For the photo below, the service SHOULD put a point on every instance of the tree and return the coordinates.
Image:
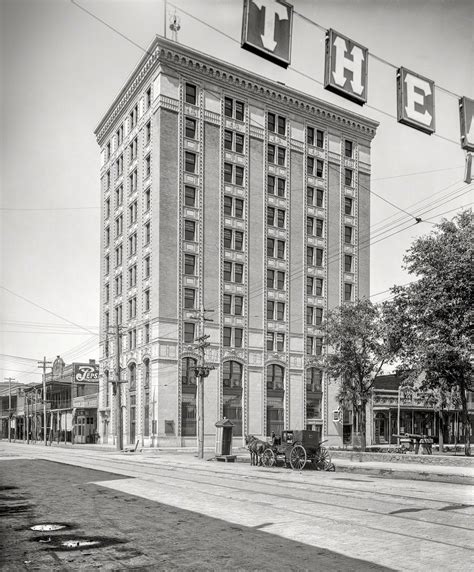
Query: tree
(430, 319)
(357, 351)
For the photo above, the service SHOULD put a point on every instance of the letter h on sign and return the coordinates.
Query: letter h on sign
(266, 29)
(346, 67)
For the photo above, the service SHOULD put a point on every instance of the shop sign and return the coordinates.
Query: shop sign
(346, 67)
(86, 373)
(466, 115)
(415, 100)
(266, 29)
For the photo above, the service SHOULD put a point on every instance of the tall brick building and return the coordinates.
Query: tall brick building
(226, 191)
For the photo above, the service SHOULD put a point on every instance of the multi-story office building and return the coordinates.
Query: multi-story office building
(225, 191)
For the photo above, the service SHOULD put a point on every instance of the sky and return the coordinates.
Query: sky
(61, 69)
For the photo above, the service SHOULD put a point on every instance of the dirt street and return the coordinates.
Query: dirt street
(108, 529)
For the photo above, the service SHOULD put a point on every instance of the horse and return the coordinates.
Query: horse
(256, 448)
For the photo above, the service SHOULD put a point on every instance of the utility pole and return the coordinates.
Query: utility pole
(116, 388)
(9, 379)
(202, 371)
(44, 364)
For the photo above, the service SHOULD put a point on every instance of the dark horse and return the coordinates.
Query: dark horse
(256, 447)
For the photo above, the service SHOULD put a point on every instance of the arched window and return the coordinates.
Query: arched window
(132, 377)
(232, 374)
(314, 377)
(275, 376)
(188, 376)
(188, 397)
(232, 394)
(275, 399)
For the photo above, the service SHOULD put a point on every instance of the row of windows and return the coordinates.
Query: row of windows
(132, 150)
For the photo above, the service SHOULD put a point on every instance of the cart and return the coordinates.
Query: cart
(298, 449)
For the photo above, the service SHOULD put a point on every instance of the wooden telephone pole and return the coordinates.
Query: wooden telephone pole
(44, 364)
(9, 379)
(201, 371)
(116, 387)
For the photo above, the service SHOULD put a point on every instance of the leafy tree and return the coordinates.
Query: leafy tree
(357, 351)
(430, 319)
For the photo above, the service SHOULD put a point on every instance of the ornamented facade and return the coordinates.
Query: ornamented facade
(225, 191)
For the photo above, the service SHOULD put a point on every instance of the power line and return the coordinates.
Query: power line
(45, 309)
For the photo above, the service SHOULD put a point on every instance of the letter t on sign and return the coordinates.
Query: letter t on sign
(266, 29)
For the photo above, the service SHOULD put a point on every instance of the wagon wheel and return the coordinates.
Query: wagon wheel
(298, 457)
(268, 458)
(323, 460)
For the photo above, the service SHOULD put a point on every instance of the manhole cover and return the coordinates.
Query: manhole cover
(47, 527)
(79, 543)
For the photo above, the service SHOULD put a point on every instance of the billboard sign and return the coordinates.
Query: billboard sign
(86, 373)
(415, 100)
(466, 115)
(346, 67)
(266, 29)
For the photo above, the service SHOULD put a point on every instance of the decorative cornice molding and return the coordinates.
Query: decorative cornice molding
(184, 60)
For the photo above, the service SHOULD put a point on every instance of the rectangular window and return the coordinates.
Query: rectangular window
(238, 305)
(107, 236)
(348, 234)
(233, 207)
(118, 285)
(106, 293)
(147, 263)
(276, 186)
(347, 263)
(281, 218)
(233, 141)
(189, 230)
(281, 155)
(238, 240)
(132, 307)
(147, 333)
(147, 166)
(233, 272)
(314, 286)
(318, 286)
(119, 225)
(280, 311)
(276, 124)
(133, 181)
(319, 227)
(189, 332)
(146, 300)
(191, 94)
(227, 304)
(147, 200)
(320, 139)
(118, 255)
(148, 133)
(347, 292)
(348, 148)
(107, 208)
(314, 346)
(119, 166)
(189, 196)
(132, 244)
(148, 98)
(190, 128)
(310, 135)
(238, 273)
(132, 276)
(133, 212)
(227, 337)
(347, 205)
(133, 116)
(238, 336)
(189, 264)
(239, 175)
(119, 196)
(189, 162)
(233, 174)
(147, 233)
(348, 177)
(119, 134)
(234, 109)
(133, 149)
(118, 314)
(314, 256)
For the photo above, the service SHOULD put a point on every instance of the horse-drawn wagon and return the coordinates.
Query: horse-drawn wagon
(296, 449)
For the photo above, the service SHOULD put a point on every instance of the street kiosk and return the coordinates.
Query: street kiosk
(224, 441)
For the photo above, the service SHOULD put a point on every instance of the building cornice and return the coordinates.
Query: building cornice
(169, 54)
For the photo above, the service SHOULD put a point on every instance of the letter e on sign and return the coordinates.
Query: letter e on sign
(346, 67)
(466, 115)
(266, 29)
(415, 101)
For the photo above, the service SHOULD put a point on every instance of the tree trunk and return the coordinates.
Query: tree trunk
(363, 425)
(466, 424)
(441, 431)
(355, 416)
